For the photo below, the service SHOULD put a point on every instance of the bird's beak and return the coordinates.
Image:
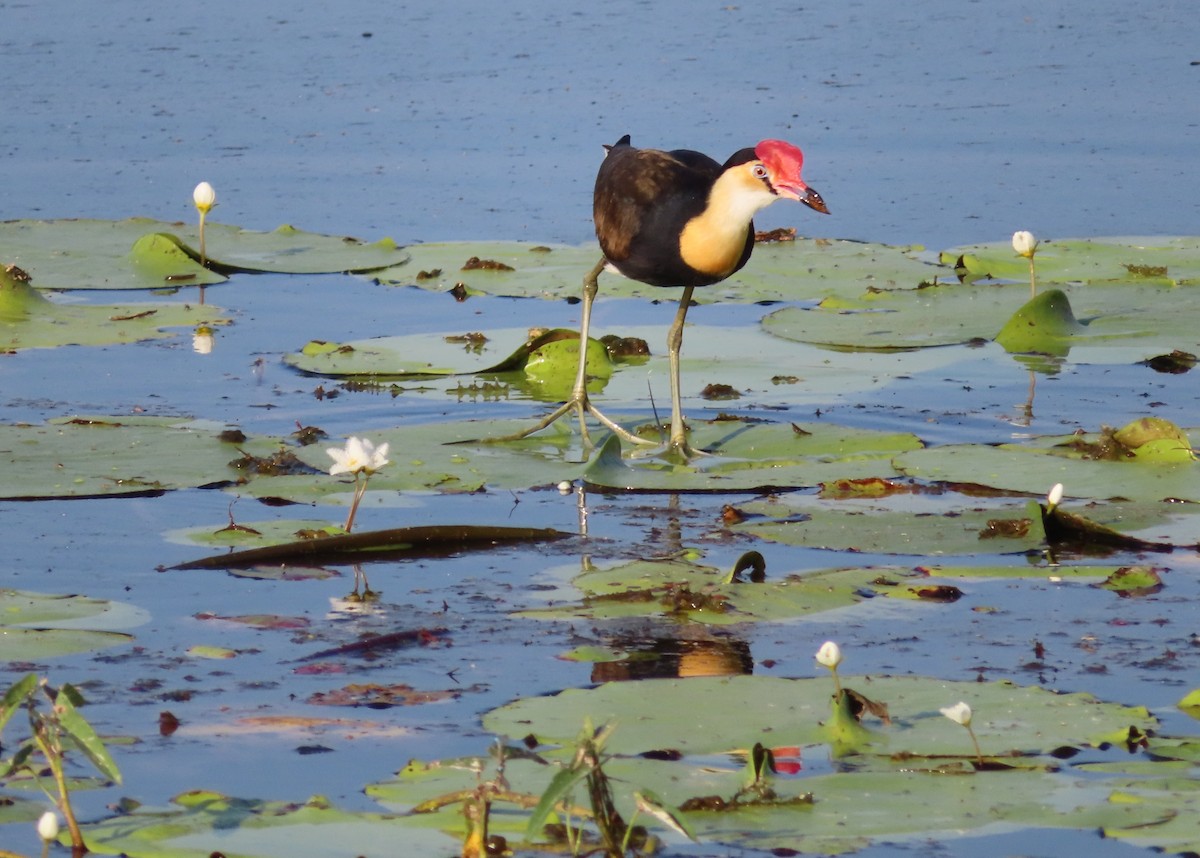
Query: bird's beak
(813, 200)
(802, 193)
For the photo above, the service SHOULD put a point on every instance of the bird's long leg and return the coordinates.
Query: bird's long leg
(579, 401)
(678, 441)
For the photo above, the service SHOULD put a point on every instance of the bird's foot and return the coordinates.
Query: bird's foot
(677, 451)
(582, 406)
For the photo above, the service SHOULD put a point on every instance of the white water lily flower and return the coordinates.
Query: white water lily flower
(1055, 497)
(204, 197)
(358, 456)
(959, 713)
(47, 826)
(829, 655)
(1024, 243)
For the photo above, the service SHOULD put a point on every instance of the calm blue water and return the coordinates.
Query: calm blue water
(936, 123)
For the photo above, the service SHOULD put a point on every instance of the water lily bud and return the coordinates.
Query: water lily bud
(565, 487)
(204, 197)
(1055, 497)
(47, 826)
(1024, 243)
(829, 655)
(959, 713)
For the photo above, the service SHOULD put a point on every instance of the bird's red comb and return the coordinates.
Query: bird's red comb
(780, 157)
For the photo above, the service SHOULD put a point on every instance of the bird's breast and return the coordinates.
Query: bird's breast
(713, 247)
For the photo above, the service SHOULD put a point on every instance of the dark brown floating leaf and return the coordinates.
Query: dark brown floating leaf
(1010, 528)
(682, 599)
(1145, 270)
(232, 436)
(783, 233)
(281, 463)
(376, 643)
(380, 696)
(132, 316)
(939, 593)
(370, 545)
(868, 487)
(459, 291)
(432, 274)
(732, 515)
(308, 435)
(625, 347)
(861, 705)
(1067, 530)
(470, 337)
(720, 392)
(477, 264)
(167, 723)
(1176, 363)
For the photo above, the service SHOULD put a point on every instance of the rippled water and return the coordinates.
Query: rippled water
(935, 123)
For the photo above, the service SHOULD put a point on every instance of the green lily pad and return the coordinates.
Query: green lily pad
(30, 320)
(754, 456)
(783, 271)
(36, 626)
(1031, 467)
(828, 814)
(936, 527)
(99, 456)
(546, 364)
(140, 253)
(697, 593)
(200, 824)
(1044, 325)
(1133, 322)
(707, 715)
(1172, 260)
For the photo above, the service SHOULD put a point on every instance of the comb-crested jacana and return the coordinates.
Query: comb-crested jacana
(678, 219)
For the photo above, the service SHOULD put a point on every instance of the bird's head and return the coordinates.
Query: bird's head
(778, 165)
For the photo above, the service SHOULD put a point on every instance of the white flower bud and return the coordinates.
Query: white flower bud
(204, 197)
(1055, 497)
(47, 826)
(1024, 243)
(829, 655)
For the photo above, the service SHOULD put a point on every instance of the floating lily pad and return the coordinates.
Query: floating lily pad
(1171, 260)
(747, 455)
(30, 320)
(783, 271)
(544, 366)
(828, 814)
(698, 593)
(707, 715)
(1133, 322)
(36, 626)
(1044, 325)
(140, 253)
(917, 525)
(98, 456)
(1031, 467)
(202, 823)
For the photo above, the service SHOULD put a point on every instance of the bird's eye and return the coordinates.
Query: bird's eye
(760, 172)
